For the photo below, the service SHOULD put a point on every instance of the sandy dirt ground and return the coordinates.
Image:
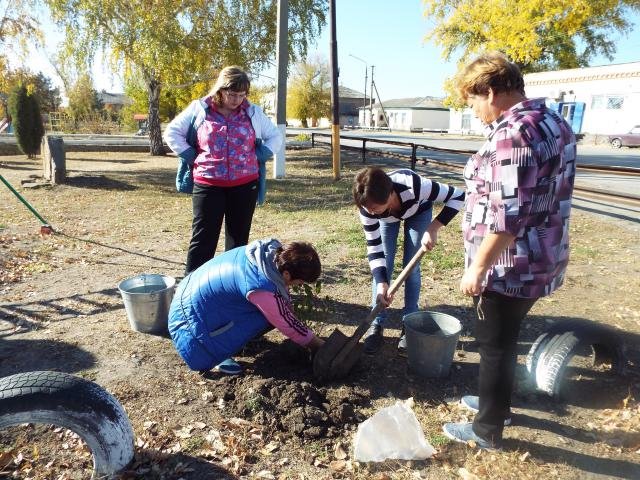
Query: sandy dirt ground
(118, 216)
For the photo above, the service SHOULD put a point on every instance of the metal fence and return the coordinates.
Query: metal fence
(363, 149)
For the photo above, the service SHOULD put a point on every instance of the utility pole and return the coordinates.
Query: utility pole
(335, 127)
(371, 98)
(384, 114)
(282, 58)
(364, 103)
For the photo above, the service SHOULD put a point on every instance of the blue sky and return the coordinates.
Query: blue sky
(389, 35)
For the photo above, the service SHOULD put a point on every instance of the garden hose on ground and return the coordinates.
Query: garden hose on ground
(45, 228)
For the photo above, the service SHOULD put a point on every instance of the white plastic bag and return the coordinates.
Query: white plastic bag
(393, 432)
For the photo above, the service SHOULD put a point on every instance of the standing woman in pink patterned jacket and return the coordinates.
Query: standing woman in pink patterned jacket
(515, 229)
(219, 140)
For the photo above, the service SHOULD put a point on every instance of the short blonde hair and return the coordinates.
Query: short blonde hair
(231, 78)
(493, 71)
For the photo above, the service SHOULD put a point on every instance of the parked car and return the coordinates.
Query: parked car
(631, 139)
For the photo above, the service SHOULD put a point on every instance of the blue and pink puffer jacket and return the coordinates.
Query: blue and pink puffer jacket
(182, 137)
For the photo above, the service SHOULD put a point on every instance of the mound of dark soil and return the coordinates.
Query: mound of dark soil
(275, 391)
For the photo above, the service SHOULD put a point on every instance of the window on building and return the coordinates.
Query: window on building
(466, 121)
(615, 103)
(567, 112)
(403, 118)
(597, 102)
(607, 102)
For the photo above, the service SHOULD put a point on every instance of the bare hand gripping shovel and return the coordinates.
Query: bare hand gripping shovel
(340, 353)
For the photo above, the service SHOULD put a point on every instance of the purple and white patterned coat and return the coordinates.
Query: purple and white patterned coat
(521, 182)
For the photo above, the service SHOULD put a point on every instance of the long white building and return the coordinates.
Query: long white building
(414, 114)
(595, 100)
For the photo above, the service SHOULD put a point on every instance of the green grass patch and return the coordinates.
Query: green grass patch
(193, 444)
(438, 439)
(256, 404)
(445, 258)
(583, 252)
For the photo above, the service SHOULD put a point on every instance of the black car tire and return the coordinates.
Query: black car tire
(74, 403)
(551, 352)
(536, 347)
(616, 142)
(552, 363)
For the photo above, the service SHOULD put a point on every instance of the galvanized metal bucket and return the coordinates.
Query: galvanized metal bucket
(147, 298)
(431, 342)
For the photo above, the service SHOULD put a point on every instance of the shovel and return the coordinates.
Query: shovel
(340, 353)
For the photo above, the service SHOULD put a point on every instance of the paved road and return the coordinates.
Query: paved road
(629, 212)
(587, 154)
(79, 139)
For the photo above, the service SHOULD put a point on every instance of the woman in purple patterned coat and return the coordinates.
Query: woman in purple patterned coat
(515, 228)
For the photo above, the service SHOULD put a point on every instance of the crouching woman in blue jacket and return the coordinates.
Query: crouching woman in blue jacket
(238, 296)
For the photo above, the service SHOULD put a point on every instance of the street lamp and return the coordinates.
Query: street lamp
(364, 106)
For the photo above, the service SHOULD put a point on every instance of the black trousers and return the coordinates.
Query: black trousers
(496, 332)
(210, 206)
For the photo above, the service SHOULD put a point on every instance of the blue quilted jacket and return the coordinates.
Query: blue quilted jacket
(210, 318)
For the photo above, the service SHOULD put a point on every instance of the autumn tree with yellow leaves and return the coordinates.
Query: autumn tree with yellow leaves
(18, 23)
(309, 92)
(176, 44)
(536, 34)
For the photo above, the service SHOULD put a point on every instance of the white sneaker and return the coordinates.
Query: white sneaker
(463, 433)
(472, 402)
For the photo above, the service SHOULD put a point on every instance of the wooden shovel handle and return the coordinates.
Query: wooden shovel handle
(406, 271)
(364, 324)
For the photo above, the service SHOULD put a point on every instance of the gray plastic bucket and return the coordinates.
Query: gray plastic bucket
(147, 298)
(431, 342)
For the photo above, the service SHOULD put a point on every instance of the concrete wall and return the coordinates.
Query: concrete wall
(464, 122)
(407, 119)
(430, 120)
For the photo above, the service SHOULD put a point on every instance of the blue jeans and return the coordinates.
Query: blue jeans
(414, 228)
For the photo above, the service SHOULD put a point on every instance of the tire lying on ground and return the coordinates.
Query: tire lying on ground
(74, 403)
(552, 351)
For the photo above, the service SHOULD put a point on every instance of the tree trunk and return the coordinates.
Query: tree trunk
(155, 134)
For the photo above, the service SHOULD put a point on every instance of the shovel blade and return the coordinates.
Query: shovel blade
(341, 369)
(327, 353)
